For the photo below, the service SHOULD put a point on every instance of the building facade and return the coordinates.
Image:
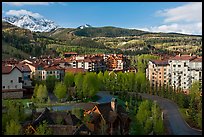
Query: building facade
(157, 72)
(11, 78)
(179, 71)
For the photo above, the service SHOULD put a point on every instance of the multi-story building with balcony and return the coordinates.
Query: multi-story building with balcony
(179, 71)
(157, 72)
(184, 69)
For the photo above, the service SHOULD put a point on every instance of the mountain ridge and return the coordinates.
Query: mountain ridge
(31, 23)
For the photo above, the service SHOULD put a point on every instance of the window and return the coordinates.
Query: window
(179, 65)
(8, 87)
(15, 86)
(164, 81)
(3, 86)
(174, 65)
(159, 76)
(50, 72)
(185, 64)
(184, 74)
(20, 80)
(11, 81)
(164, 69)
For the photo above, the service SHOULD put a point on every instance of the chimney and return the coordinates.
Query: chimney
(114, 104)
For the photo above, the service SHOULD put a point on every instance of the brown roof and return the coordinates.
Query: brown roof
(80, 130)
(75, 70)
(94, 117)
(160, 62)
(112, 116)
(183, 57)
(85, 106)
(68, 118)
(47, 68)
(104, 109)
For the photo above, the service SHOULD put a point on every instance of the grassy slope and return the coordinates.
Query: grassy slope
(11, 52)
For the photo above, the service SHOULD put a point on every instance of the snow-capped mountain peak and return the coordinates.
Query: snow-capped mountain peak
(85, 26)
(32, 23)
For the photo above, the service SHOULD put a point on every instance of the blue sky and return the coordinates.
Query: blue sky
(183, 17)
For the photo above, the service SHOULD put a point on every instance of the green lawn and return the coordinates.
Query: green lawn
(24, 101)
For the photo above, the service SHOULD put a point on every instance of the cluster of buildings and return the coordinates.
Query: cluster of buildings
(179, 71)
(102, 119)
(18, 75)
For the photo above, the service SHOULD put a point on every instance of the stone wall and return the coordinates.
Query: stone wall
(18, 94)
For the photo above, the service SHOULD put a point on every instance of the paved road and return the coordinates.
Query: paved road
(105, 97)
(177, 124)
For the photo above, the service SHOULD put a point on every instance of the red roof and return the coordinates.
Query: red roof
(8, 69)
(183, 57)
(198, 59)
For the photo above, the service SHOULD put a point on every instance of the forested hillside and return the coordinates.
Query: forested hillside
(92, 40)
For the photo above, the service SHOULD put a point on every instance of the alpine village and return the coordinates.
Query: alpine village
(98, 80)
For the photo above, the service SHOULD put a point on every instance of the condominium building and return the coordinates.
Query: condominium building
(183, 69)
(179, 71)
(157, 72)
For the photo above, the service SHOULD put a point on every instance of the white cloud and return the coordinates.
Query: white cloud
(191, 12)
(27, 3)
(23, 12)
(186, 19)
(193, 28)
